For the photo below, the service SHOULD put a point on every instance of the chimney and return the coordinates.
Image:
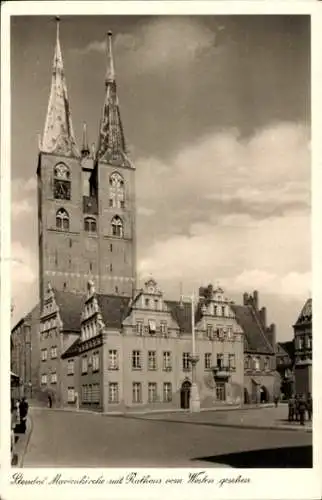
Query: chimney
(255, 299)
(245, 299)
(262, 315)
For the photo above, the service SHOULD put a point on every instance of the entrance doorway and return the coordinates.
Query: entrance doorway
(264, 394)
(185, 395)
(246, 396)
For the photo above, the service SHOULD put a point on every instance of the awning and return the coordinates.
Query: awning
(15, 379)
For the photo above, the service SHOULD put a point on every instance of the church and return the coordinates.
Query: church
(97, 339)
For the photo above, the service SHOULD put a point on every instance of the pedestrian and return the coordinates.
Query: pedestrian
(291, 408)
(23, 410)
(302, 408)
(276, 399)
(13, 427)
(50, 401)
(309, 406)
(297, 413)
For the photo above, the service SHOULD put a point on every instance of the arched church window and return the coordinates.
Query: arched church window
(62, 220)
(117, 226)
(117, 191)
(90, 225)
(62, 183)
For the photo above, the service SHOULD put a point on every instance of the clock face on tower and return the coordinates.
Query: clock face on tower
(61, 189)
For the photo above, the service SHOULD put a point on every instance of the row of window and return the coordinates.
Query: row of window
(304, 342)
(153, 395)
(53, 353)
(257, 363)
(93, 361)
(90, 225)
(52, 379)
(228, 360)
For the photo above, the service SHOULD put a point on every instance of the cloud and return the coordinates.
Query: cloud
(159, 43)
(23, 197)
(145, 211)
(232, 209)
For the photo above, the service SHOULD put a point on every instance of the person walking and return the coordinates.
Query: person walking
(291, 408)
(296, 411)
(23, 410)
(302, 409)
(309, 406)
(276, 400)
(50, 401)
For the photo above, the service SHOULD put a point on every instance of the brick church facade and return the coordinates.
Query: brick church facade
(98, 340)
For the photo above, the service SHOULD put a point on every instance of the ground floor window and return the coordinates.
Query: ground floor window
(71, 394)
(167, 392)
(137, 392)
(44, 379)
(152, 392)
(113, 392)
(96, 393)
(220, 391)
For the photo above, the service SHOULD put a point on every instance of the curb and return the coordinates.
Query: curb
(236, 426)
(22, 454)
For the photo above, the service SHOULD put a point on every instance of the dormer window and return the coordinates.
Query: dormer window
(152, 326)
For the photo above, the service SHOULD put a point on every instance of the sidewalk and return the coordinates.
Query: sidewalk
(253, 418)
(22, 441)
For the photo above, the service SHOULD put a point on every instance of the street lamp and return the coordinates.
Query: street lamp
(194, 358)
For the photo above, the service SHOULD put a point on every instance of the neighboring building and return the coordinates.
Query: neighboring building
(261, 380)
(135, 353)
(59, 329)
(303, 350)
(25, 354)
(285, 367)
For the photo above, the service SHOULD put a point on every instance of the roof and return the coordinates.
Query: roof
(306, 313)
(72, 350)
(255, 338)
(114, 309)
(70, 309)
(181, 313)
(285, 348)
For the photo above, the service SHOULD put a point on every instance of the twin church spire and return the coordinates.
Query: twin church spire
(58, 137)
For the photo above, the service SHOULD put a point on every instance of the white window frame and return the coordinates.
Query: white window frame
(53, 378)
(53, 352)
(113, 359)
(186, 361)
(208, 356)
(44, 354)
(152, 360)
(139, 327)
(152, 392)
(84, 364)
(113, 392)
(152, 326)
(167, 392)
(70, 367)
(71, 394)
(136, 392)
(44, 379)
(167, 361)
(136, 360)
(95, 362)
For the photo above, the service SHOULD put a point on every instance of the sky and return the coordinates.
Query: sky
(216, 114)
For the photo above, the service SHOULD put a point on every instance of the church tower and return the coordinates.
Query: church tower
(86, 199)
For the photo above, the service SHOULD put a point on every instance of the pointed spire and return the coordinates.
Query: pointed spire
(85, 149)
(111, 142)
(58, 135)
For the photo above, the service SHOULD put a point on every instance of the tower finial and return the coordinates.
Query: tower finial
(110, 72)
(85, 149)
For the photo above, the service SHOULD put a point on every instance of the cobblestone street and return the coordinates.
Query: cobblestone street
(70, 439)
